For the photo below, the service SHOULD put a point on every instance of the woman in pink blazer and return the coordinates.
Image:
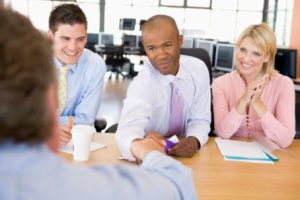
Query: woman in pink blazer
(255, 100)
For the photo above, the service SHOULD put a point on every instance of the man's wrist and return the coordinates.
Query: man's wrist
(196, 140)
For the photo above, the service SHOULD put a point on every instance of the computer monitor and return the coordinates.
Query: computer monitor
(131, 41)
(127, 24)
(224, 58)
(142, 22)
(92, 38)
(286, 62)
(208, 45)
(188, 43)
(106, 39)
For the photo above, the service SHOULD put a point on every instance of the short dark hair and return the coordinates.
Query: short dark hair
(66, 14)
(158, 19)
(26, 73)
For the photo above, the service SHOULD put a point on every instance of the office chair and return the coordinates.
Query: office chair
(115, 60)
(100, 124)
(112, 129)
(195, 52)
(202, 54)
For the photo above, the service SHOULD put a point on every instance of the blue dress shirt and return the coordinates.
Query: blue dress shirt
(85, 86)
(34, 172)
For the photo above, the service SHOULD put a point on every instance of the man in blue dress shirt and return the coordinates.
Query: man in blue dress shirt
(68, 30)
(29, 136)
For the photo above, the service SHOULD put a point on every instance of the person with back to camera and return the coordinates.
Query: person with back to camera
(29, 136)
(170, 95)
(255, 100)
(81, 69)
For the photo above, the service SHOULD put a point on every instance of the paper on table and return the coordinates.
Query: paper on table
(69, 147)
(243, 151)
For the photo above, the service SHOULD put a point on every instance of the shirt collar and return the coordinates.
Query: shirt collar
(167, 79)
(59, 64)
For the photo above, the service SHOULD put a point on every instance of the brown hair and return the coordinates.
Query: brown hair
(66, 14)
(265, 39)
(26, 73)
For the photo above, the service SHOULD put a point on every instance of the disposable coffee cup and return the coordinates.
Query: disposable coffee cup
(82, 138)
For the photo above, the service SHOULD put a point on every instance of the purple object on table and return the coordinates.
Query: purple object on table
(169, 145)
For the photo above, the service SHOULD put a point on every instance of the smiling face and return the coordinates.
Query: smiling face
(69, 41)
(250, 59)
(162, 43)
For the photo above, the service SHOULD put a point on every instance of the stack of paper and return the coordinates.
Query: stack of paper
(244, 151)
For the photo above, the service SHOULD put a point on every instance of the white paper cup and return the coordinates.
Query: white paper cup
(82, 137)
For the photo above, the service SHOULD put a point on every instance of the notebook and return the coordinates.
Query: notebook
(244, 151)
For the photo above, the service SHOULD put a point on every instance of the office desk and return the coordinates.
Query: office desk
(216, 178)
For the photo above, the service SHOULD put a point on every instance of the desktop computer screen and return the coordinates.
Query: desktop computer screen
(106, 39)
(188, 43)
(131, 41)
(208, 45)
(127, 24)
(224, 58)
(142, 22)
(92, 38)
(286, 62)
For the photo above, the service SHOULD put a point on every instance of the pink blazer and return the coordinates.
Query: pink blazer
(277, 124)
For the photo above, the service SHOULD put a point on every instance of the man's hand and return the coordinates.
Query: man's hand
(140, 148)
(186, 147)
(65, 134)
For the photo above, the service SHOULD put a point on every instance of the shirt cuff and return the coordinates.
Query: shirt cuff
(237, 115)
(126, 151)
(153, 156)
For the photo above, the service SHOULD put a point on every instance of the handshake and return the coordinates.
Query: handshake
(182, 147)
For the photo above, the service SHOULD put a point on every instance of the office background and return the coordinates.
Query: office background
(201, 18)
(220, 20)
(211, 19)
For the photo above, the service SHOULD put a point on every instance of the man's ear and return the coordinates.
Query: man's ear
(180, 40)
(53, 141)
(50, 34)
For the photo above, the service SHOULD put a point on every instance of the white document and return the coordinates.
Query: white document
(244, 151)
(69, 147)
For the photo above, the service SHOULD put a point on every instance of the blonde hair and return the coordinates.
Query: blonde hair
(263, 36)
